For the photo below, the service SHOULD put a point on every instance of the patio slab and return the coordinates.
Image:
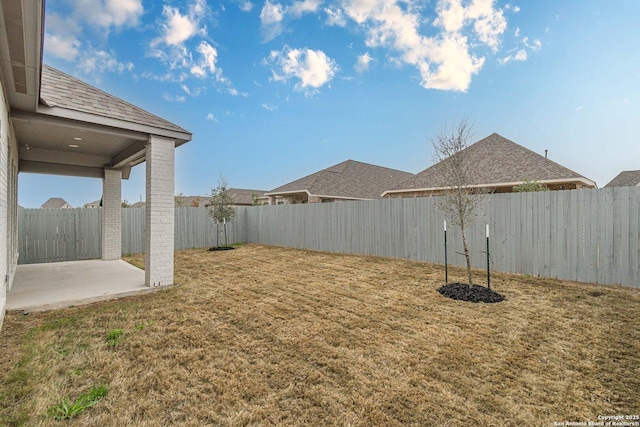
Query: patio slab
(39, 287)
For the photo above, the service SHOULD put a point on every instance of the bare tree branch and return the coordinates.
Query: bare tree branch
(459, 200)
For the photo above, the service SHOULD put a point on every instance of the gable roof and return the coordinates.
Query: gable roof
(54, 203)
(497, 160)
(190, 201)
(625, 179)
(58, 89)
(349, 180)
(243, 196)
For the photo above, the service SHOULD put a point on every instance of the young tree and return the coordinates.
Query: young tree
(459, 200)
(220, 208)
(530, 185)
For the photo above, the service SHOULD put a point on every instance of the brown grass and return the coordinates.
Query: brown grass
(272, 336)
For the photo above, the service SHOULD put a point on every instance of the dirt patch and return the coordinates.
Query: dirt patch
(273, 336)
(475, 293)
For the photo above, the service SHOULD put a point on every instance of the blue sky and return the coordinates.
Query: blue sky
(275, 90)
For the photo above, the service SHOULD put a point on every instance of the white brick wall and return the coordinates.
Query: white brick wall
(159, 231)
(111, 214)
(8, 203)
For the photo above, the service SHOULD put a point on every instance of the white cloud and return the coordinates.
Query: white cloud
(444, 60)
(455, 65)
(274, 15)
(246, 6)
(335, 17)
(514, 9)
(178, 28)
(521, 53)
(362, 64)
(61, 46)
(488, 23)
(183, 48)
(190, 92)
(579, 108)
(97, 62)
(123, 12)
(107, 13)
(170, 98)
(212, 118)
(299, 8)
(271, 17)
(207, 63)
(269, 107)
(312, 68)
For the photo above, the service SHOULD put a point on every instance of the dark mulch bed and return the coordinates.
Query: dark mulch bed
(475, 293)
(221, 248)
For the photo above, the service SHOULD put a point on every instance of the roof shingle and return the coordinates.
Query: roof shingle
(496, 160)
(54, 203)
(349, 179)
(61, 90)
(625, 179)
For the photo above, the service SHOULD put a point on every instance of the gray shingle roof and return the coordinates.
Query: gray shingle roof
(497, 160)
(54, 203)
(240, 197)
(191, 201)
(61, 90)
(243, 196)
(625, 179)
(349, 179)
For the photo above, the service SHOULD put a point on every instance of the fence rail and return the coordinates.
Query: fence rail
(51, 235)
(583, 235)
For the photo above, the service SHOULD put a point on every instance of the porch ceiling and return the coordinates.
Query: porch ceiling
(64, 126)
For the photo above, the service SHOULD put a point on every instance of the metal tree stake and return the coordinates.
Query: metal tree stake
(488, 271)
(446, 270)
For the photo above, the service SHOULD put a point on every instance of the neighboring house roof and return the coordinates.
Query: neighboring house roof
(346, 180)
(61, 90)
(95, 204)
(55, 203)
(192, 201)
(625, 179)
(497, 161)
(243, 196)
(138, 205)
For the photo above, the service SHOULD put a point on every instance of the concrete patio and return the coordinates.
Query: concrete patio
(39, 287)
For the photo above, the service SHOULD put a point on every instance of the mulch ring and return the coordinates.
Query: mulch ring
(475, 293)
(221, 248)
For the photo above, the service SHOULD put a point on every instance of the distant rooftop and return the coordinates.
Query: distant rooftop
(349, 179)
(625, 179)
(55, 203)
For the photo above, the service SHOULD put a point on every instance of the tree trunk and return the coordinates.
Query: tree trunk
(466, 252)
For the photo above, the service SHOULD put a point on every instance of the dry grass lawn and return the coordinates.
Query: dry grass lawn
(271, 336)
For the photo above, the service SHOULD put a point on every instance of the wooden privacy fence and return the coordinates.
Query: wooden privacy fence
(52, 235)
(194, 228)
(583, 235)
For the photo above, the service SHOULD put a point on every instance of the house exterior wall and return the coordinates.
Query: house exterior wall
(112, 214)
(159, 232)
(8, 203)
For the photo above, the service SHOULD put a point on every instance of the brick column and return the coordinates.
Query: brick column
(112, 214)
(159, 212)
